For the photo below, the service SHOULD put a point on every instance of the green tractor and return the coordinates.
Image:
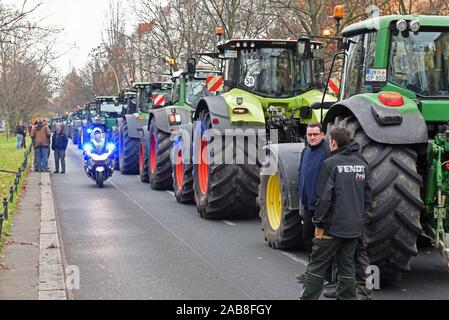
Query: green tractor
(127, 132)
(157, 138)
(395, 99)
(89, 112)
(75, 122)
(108, 110)
(270, 90)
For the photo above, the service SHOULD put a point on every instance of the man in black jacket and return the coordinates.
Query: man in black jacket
(59, 146)
(344, 195)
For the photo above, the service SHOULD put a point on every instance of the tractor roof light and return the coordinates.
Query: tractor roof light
(415, 26)
(391, 99)
(339, 13)
(219, 31)
(401, 25)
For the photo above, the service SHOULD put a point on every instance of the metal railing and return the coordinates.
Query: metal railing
(14, 189)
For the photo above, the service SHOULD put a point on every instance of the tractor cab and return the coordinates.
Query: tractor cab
(272, 68)
(109, 107)
(192, 85)
(152, 95)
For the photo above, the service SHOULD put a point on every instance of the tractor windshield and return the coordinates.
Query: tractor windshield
(195, 90)
(273, 72)
(109, 110)
(420, 62)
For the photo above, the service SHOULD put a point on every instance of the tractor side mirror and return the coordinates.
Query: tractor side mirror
(191, 66)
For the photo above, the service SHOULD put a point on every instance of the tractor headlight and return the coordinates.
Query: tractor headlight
(415, 26)
(401, 25)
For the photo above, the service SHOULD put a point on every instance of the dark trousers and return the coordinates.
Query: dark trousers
(59, 157)
(308, 232)
(343, 250)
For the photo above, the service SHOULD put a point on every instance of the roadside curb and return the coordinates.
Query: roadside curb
(52, 284)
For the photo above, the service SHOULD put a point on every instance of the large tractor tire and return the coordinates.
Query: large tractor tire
(392, 223)
(75, 137)
(182, 175)
(144, 170)
(116, 138)
(129, 156)
(159, 159)
(222, 190)
(282, 227)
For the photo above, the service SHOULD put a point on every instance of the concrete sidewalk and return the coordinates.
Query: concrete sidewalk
(31, 267)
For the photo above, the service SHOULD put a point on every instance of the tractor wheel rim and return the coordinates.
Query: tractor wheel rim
(179, 170)
(141, 159)
(273, 202)
(153, 154)
(203, 167)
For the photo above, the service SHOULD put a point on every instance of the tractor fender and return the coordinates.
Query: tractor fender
(285, 158)
(133, 125)
(412, 129)
(161, 117)
(218, 108)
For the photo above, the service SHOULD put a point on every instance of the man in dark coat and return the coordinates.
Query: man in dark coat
(59, 147)
(344, 195)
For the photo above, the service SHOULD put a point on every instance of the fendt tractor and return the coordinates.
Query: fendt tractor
(127, 132)
(188, 88)
(395, 99)
(269, 86)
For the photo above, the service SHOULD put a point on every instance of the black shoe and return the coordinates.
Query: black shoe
(301, 277)
(56, 172)
(63, 172)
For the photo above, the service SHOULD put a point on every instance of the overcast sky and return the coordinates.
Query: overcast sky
(83, 22)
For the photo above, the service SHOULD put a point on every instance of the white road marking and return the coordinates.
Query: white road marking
(295, 258)
(229, 223)
(200, 256)
(172, 193)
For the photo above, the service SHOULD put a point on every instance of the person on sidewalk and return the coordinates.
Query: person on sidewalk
(344, 195)
(313, 156)
(41, 134)
(20, 133)
(59, 147)
(24, 143)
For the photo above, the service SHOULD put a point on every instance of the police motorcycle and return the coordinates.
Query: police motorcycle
(98, 156)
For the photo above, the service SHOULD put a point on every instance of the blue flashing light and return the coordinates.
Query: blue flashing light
(89, 131)
(110, 147)
(87, 147)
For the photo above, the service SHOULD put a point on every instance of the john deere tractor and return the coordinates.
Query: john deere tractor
(270, 90)
(157, 139)
(395, 99)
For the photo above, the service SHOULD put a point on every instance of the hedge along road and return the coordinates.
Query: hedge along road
(131, 242)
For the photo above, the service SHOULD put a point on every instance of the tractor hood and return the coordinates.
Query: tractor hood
(245, 107)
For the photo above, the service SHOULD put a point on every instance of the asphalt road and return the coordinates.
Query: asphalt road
(131, 242)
